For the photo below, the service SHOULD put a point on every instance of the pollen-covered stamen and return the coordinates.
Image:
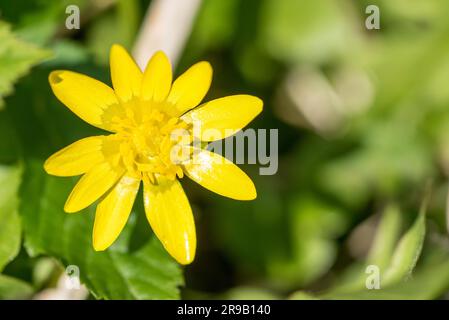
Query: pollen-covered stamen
(147, 144)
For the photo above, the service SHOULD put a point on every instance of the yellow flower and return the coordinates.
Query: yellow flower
(141, 112)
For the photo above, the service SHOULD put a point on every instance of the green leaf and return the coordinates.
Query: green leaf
(16, 58)
(12, 288)
(394, 260)
(424, 285)
(147, 273)
(386, 238)
(10, 230)
(302, 295)
(67, 53)
(384, 243)
(9, 148)
(407, 252)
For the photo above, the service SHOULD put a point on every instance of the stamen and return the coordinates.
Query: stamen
(146, 143)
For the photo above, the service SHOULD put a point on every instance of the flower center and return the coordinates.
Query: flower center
(150, 142)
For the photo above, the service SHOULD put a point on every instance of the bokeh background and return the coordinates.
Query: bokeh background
(363, 120)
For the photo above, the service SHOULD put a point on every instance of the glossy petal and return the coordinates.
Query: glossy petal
(169, 214)
(77, 158)
(191, 87)
(88, 98)
(157, 78)
(113, 212)
(225, 115)
(125, 74)
(92, 186)
(219, 175)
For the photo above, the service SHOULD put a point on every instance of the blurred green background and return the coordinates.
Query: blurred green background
(363, 120)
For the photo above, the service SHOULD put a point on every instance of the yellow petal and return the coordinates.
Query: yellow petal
(125, 74)
(191, 87)
(92, 186)
(170, 216)
(157, 78)
(225, 115)
(77, 158)
(219, 175)
(88, 98)
(113, 212)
